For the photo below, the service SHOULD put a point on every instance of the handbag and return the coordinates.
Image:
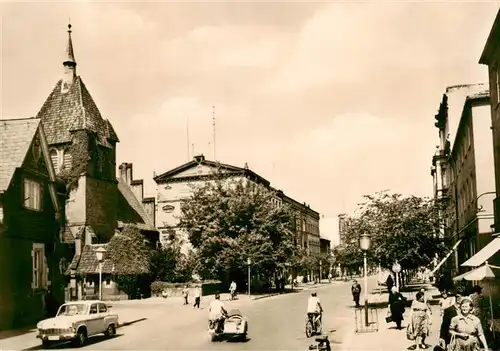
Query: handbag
(409, 332)
(388, 317)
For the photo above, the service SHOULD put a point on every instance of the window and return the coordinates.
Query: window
(102, 308)
(32, 195)
(67, 159)
(54, 158)
(93, 308)
(38, 266)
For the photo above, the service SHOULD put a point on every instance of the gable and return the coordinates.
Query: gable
(34, 159)
(198, 170)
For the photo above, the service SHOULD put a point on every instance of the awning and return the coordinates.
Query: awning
(484, 254)
(446, 257)
(486, 271)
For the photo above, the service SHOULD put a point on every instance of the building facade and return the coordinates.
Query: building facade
(31, 217)
(463, 172)
(177, 184)
(491, 58)
(82, 148)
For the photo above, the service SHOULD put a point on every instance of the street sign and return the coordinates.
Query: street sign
(396, 267)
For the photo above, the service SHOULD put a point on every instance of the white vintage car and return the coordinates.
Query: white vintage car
(76, 321)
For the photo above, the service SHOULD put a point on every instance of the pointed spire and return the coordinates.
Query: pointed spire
(70, 55)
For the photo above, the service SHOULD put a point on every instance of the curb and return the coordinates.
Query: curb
(120, 325)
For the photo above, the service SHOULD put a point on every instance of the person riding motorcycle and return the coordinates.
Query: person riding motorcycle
(232, 290)
(217, 313)
(314, 308)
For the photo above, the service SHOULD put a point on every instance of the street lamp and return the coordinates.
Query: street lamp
(320, 266)
(365, 241)
(249, 262)
(100, 255)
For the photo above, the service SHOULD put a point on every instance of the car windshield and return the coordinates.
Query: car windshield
(72, 309)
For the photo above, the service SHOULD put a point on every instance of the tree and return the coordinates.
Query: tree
(130, 257)
(229, 220)
(403, 229)
(169, 264)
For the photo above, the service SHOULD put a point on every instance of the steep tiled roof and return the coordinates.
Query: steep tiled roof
(63, 113)
(131, 210)
(16, 136)
(67, 235)
(87, 262)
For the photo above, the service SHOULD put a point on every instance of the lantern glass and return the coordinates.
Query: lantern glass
(249, 261)
(100, 253)
(365, 242)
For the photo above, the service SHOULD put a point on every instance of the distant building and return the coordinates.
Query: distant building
(175, 185)
(324, 246)
(463, 171)
(491, 58)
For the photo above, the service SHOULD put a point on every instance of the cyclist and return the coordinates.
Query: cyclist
(314, 309)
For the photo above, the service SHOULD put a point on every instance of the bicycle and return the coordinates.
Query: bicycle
(313, 324)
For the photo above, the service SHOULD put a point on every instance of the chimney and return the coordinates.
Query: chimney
(149, 207)
(129, 173)
(78, 243)
(138, 189)
(123, 171)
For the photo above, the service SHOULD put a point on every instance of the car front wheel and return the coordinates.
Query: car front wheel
(81, 337)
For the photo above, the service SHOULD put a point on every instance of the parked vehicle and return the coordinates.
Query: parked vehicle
(235, 326)
(76, 321)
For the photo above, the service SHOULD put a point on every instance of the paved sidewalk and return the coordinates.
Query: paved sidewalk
(388, 337)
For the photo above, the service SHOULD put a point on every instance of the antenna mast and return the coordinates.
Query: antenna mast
(213, 124)
(187, 137)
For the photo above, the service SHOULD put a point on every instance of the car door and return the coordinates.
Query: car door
(93, 321)
(103, 314)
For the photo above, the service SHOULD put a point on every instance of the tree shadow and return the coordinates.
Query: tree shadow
(5, 334)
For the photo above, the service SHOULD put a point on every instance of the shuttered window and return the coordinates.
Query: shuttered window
(67, 159)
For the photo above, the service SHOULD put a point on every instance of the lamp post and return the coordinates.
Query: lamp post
(249, 262)
(320, 266)
(365, 243)
(100, 255)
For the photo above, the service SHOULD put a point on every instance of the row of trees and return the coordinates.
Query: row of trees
(231, 221)
(402, 229)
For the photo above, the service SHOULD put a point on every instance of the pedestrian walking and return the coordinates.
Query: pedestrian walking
(397, 306)
(185, 294)
(466, 329)
(445, 302)
(356, 292)
(448, 314)
(389, 283)
(420, 320)
(197, 296)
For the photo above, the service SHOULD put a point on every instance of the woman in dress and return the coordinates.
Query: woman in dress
(466, 330)
(420, 318)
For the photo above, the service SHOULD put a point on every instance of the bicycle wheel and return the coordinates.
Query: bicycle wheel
(309, 329)
(319, 327)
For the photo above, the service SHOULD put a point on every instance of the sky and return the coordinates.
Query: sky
(327, 100)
